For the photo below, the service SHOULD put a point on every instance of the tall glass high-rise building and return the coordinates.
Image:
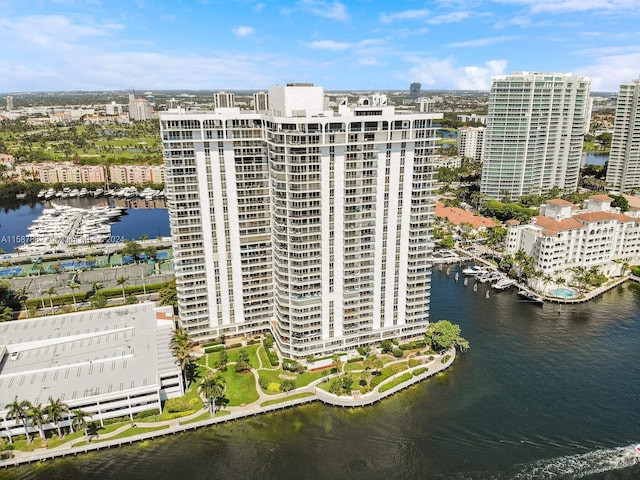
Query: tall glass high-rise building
(623, 170)
(535, 130)
(309, 223)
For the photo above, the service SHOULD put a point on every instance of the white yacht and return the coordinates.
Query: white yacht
(503, 283)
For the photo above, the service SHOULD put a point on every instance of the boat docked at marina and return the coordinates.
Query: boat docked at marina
(504, 283)
(62, 225)
(530, 296)
(474, 270)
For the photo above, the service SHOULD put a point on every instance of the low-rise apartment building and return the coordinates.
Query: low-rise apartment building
(110, 363)
(564, 236)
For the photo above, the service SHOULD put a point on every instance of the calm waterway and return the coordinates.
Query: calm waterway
(142, 218)
(545, 392)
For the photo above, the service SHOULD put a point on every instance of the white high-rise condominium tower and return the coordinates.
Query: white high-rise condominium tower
(310, 223)
(470, 142)
(535, 130)
(623, 171)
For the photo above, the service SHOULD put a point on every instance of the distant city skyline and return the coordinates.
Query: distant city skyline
(342, 45)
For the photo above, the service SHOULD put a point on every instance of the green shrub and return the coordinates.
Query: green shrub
(216, 348)
(414, 363)
(361, 351)
(419, 371)
(146, 413)
(413, 345)
(446, 358)
(174, 405)
(398, 353)
(234, 345)
(212, 344)
(354, 360)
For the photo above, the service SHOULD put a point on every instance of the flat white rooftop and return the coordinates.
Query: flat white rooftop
(78, 355)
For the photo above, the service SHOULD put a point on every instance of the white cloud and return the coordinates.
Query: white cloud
(50, 31)
(334, 10)
(329, 45)
(438, 72)
(482, 42)
(563, 6)
(405, 15)
(452, 17)
(242, 31)
(368, 62)
(611, 70)
(258, 7)
(367, 44)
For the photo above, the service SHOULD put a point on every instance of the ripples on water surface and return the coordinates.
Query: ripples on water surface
(545, 392)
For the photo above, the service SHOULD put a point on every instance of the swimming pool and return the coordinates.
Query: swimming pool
(563, 293)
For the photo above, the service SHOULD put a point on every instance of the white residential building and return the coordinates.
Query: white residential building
(311, 223)
(224, 100)
(114, 108)
(110, 362)
(139, 109)
(472, 118)
(623, 170)
(470, 142)
(535, 128)
(261, 102)
(563, 237)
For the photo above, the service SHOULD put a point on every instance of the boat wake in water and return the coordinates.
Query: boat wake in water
(582, 465)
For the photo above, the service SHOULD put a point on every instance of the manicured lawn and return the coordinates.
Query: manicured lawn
(127, 433)
(241, 388)
(234, 354)
(401, 379)
(388, 372)
(350, 367)
(204, 416)
(264, 357)
(286, 399)
(419, 371)
(301, 379)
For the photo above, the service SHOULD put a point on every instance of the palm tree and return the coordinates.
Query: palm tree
(74, 286)
(23, 292)
(121, 281)
(181, 346)
(18, 411)
(55, 411)
(579, 275)
(212, 387)
(95, 286)
(79, 420)
(37, 416)
(50, 292)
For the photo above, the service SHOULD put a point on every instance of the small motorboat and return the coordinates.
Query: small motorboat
(636, 449)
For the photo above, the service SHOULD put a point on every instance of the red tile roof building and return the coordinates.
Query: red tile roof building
(563, 237)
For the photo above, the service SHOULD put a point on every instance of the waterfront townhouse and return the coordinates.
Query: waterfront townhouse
(563, 237)
(61, 172)
(313, 224)
(136, 174)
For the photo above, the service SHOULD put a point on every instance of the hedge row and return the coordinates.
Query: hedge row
(67, 299)
(273, 357)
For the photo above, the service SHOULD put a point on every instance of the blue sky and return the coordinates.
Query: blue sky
(51, 45)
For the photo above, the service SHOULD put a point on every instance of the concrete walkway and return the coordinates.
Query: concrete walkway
(237, 412)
